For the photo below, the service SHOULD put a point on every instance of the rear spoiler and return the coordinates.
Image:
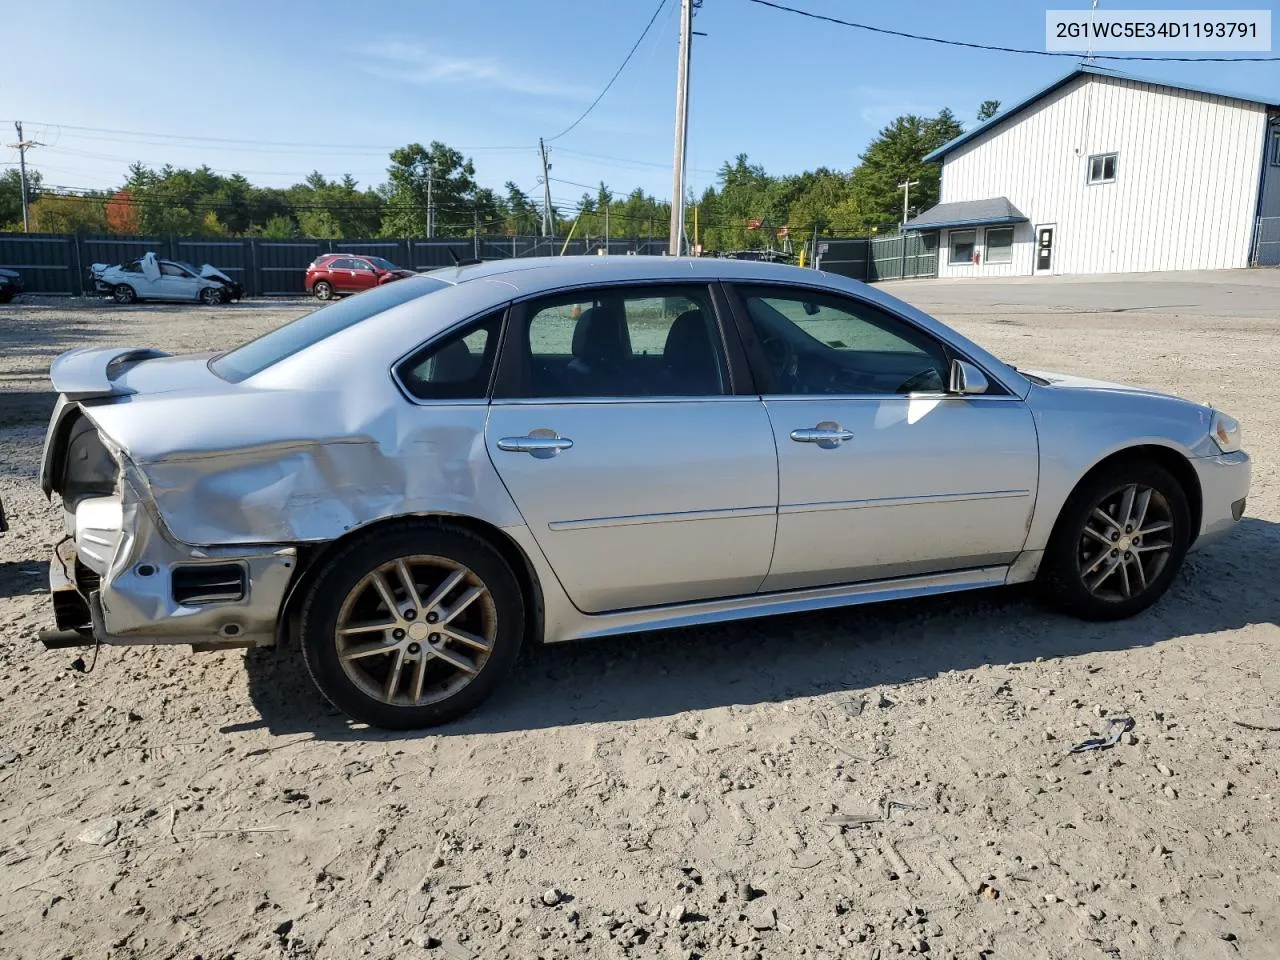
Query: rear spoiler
(91, 371)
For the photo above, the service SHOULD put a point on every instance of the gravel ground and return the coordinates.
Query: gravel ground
(862, 783)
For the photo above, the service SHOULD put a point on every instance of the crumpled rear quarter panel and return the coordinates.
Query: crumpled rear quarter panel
(264, 471)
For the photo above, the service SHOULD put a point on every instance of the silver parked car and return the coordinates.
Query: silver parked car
(410, 483)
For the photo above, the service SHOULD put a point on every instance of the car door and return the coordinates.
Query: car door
(882, 472)
(363, 276)
(176, 283)
(645, 471)
(342, 273)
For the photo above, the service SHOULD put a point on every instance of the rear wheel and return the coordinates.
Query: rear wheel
(123, 293)
(1119, 542)
(412, 627)
(323, 290)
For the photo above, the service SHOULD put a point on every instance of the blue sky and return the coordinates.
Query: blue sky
(491, 76)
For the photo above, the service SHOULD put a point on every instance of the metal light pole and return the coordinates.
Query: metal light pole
(906, 186)
(682, 129)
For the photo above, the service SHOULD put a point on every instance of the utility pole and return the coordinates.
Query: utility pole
(682, 128)
(22, 146)
(547, 224)
(905, 187)
(431, 207)
(606, 228)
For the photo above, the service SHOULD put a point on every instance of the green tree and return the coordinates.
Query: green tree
(988, 109)
(452, 184)
(522, 215)
(65, 213)
(11, 196)
(279, 228)
(895, 156)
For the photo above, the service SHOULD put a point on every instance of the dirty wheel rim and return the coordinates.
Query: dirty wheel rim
(323, 292)
(1126, 542)
(123, 295)
(416, 630)
(210, 296)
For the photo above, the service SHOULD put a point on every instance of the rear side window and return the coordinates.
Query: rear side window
(457, 367)
(270, 348)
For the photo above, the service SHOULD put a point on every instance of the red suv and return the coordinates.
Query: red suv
(337, 273)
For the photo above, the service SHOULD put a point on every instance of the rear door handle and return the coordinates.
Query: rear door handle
(827, 435)
(540, 443)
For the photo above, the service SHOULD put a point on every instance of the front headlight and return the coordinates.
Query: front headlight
(1225, 432)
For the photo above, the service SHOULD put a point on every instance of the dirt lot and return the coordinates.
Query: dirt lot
(672, 795)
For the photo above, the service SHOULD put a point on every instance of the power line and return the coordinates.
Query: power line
(636, 46)
(252, 143)
(999, 49)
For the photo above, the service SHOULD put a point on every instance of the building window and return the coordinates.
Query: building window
(1102, 168)
(1275, 148)
(962, 243)
(999, 244)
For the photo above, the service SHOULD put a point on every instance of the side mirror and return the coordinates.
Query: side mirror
(811, 308)
(966, 378)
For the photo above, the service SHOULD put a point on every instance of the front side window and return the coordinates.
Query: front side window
(818, 343)
(342, 263)
(360, 265)
(172, 270)
(999, 244)
(962, 243)
(1102, 168)
(457, 367)
(383, 264)
(274, 346)
(622, 342)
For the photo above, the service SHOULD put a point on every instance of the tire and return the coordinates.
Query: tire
(123, 293)
(212, 296)
(1141, 559)
(323, 290)
(6, 297)
(354, 673)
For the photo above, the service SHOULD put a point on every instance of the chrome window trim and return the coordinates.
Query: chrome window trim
(733, 286)
(570, 401)
(721, 322)
(394, 369)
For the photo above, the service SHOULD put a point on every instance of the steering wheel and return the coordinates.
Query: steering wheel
(782, 360)
(926, 379)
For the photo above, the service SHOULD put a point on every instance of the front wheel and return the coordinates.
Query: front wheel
(1119, 542)
(412, 627)
(323, 290)
(123, 293)
(212, 296)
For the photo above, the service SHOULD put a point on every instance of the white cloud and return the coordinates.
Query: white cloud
(416, 63)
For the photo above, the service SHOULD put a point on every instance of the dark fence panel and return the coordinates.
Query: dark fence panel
(282, 265)
(59, 263)
(48, 262)
(849, 257)
(880, 258)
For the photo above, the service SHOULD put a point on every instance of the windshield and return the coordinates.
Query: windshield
(382, 264)
(270, 348)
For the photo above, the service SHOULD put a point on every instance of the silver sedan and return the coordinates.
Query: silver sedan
(410, 484)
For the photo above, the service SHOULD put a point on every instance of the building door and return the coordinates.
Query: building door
(1044, 247)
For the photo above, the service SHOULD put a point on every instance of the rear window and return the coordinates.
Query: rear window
(270, 348)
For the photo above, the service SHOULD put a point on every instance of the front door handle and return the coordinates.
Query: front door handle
(828, 435)
(541, 443)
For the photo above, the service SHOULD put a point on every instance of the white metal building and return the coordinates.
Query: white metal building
(1101, 172)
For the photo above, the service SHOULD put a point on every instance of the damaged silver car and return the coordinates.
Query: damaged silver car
(411, 483)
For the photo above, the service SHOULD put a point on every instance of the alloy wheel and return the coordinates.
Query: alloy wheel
(416, 630)
(1127, 540)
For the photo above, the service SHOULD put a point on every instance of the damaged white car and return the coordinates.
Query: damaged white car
(410, 483)
(150, 278)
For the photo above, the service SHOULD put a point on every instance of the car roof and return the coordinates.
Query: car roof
(534, 274)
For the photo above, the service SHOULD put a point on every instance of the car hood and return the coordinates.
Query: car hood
(1057, 380)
